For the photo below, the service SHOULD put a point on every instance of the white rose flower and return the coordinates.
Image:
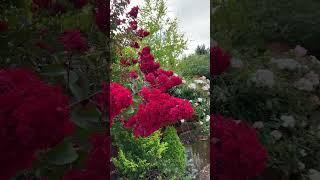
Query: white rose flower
(206, 88)
(201, 122)
(184, 81)
(192, 86)
(182, 120)
(198, 81)
(288, 121)
(200, 99)
(207, 118)
(258, 124)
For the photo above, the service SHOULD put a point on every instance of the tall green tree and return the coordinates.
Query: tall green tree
(165, 39)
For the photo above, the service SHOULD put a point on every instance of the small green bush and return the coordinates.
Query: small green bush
(194, 65)
(160, 155)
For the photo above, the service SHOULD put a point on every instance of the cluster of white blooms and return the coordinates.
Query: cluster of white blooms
(202, 83)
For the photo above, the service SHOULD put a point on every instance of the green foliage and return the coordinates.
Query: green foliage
(194, 65)
(250, 24)
(140, 158)
(165, 39)
(174, 156)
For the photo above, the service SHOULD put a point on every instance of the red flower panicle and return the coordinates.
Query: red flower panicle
(73, 40)
(33, 116)
(236, 152)
(134, 12)
(120, 98)
(133, 74)
(97, 163)
(163, 80)
(135, 45)
(158, 110)
(142, 33)
(147, 62)
(133, 25)
(219, 61)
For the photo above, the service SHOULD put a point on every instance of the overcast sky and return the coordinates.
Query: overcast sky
(193, 20)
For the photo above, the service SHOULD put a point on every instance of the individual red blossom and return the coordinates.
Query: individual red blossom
(134, 61)
(33, 116)
(119, 98)
(133, 74)
(135, 45)
(142, 33)
(147, 62)
(78, 4)
(3, 26)
(73, 40)
(133, 25)
(102, 15)
(134, 12)
(46, 4)
(163, 80)
(158, 110)
(236, 152)
(219, 61)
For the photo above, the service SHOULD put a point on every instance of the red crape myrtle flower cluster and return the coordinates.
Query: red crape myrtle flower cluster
(157, 77)
(97, 162)
(157, 110)
(72, 40)
(219, 61)
(120, 98)
(236, 152)
(33, 116)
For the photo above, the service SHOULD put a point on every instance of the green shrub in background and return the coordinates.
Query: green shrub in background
(194, 65)
(250, 24)
(160, 155)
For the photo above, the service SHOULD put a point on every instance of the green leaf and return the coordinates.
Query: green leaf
(87, 117)
(62, 154)
(73, 77)
(53, 70)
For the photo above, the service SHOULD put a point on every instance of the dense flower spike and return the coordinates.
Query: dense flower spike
(134, 12)
(163, 80)
(120, 98)
(133, 25)
(142, 33)
(97, 163)
(102, 15)
(219, 61)
(147, 62)
(236, 152)
(73, 40)
(33, 116)
(133, 74)
(135, 45)
(158, 110)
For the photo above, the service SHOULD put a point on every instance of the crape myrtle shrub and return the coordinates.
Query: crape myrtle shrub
(250, 24)
(146, 147)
